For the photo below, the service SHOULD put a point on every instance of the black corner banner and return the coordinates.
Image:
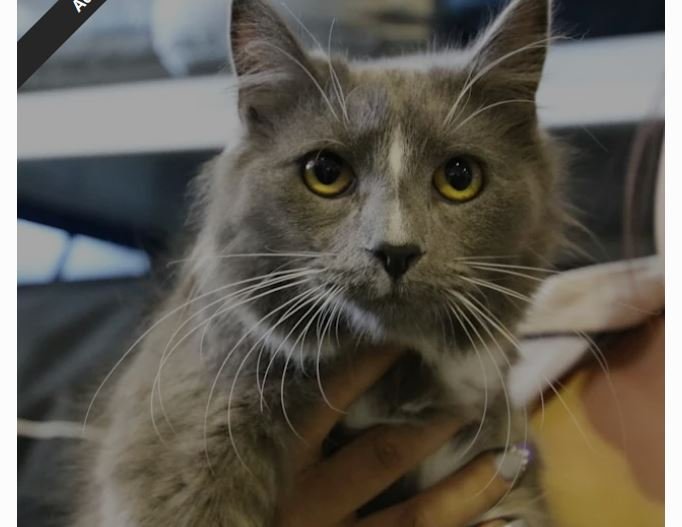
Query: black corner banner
(49, 33)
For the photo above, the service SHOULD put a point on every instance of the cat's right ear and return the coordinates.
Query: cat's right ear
(267, 60)
(514, 47)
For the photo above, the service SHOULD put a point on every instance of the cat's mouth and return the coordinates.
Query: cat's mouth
(398, 305)
(393, 295)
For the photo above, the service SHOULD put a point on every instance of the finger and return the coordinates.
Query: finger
(370, 464)
(494, 523)
(459, 499)
(341, 389)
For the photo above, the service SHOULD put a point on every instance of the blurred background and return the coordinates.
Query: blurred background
(119, 120)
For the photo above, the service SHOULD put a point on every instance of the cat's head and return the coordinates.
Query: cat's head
(404, 191)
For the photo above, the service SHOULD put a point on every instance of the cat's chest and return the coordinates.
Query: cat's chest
(412, 391)
(420, 385)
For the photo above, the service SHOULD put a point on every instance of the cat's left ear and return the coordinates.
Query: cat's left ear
(270, 64)
(513, 49)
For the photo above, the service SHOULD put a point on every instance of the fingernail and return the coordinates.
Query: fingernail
(517, 523)
(513, 462)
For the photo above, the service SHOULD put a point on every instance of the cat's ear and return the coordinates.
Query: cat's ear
(513, 49)
(267, 59)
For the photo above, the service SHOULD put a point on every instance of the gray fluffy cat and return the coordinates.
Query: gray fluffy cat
(407, 200)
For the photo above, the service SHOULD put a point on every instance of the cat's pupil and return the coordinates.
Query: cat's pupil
(327, 169)
(458, 173)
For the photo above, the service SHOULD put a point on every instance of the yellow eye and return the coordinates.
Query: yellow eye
(326, 174)
(460, 179)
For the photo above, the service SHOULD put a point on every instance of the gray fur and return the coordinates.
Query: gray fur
(170, 456)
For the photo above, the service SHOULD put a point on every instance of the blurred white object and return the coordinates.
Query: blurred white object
(89, 258)
(570, 306)
(39, 252)
(184, 33)
(45, 254)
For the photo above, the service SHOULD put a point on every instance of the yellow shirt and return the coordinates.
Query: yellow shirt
(588, 483)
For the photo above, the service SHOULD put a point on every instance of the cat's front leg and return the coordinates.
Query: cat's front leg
(152, 475)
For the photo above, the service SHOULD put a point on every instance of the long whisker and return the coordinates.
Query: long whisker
(277, 254)
(327, 328)
(487, 107)
(219, 313)
(267, 281)
(471, 80)
(332, 72)
(224, 364)
(592, 348)
(456, 312)
(232, 388)
(304, 298)
(482, 306)
(270, 254)
(507, 272)
(335, 78)
(317, 317)
(478, 314)
(286, 364)
(245, 292)
(285, 317)
(496, 287)
(513, 266)
(262, 386)
(467, 305)
(491, 257)
(139, 339)
(570, 413)
(507, 334)
(308, 74)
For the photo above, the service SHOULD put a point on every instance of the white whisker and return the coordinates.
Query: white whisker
(456, 312)
(291, 311)
(469, 83)
(312, 78)
(289, 355)
(139, 339)
(476, 113)
(496, 287)
(497, 370)
(339, 290)
(224, 364)
(268, 283)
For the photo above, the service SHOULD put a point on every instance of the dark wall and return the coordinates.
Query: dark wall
(459, 20)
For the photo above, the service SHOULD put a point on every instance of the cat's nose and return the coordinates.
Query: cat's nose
(397, 259)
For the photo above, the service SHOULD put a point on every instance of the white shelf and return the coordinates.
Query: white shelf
(597, 81)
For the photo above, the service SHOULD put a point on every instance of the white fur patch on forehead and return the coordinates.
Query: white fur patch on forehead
(395, 231)
(396, 155)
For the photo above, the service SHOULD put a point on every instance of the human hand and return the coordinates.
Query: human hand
(328, 491)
